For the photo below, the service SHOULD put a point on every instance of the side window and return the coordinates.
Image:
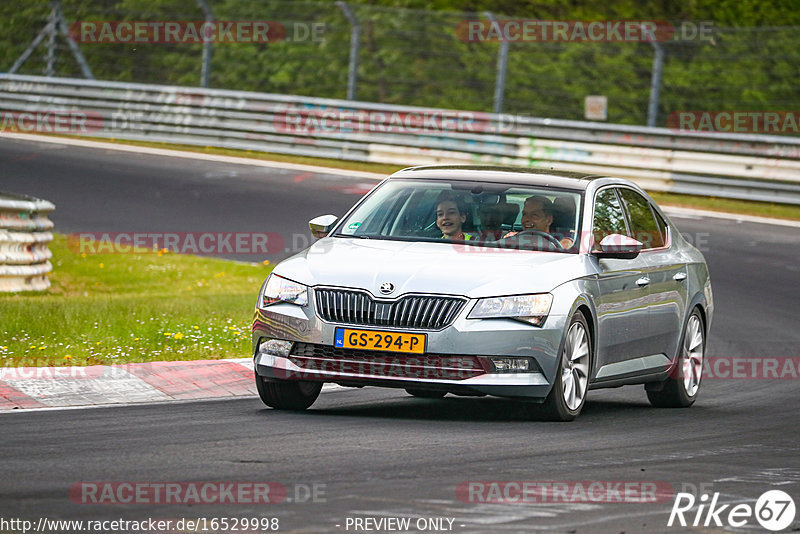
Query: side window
(643, 223)
(662, 225)
(608, 216)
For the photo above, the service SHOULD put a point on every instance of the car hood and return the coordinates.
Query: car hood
(424, 267)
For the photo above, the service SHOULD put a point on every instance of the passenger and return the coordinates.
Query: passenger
(537, 214)
(450, 216)
(563, 218)
(491, 222)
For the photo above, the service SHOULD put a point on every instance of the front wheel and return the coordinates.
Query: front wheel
(288, 395)
(568, 395)
(681, 388)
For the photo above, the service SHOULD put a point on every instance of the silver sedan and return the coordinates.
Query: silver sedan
(472, 280)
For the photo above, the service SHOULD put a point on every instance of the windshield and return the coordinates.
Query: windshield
(473, 213)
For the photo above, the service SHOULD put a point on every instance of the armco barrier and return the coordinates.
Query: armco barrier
(24, 235)
(743, 166)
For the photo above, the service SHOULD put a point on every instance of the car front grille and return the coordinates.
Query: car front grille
(413, 311)
(323, 360)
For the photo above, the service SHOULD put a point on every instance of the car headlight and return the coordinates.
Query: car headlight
(279, 289)
(531, 309)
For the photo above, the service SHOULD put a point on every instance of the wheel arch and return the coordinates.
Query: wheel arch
(699, 302)
(584, 305)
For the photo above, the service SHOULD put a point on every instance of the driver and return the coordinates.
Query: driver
(537, 214)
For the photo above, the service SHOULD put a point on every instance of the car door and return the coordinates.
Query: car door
(622, 299)
(665, 270)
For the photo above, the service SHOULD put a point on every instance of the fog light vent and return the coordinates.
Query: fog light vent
(276, 347)
(512, 365)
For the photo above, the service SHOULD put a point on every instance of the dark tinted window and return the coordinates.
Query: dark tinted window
(643, 223)
(608, 216)
(662, 226)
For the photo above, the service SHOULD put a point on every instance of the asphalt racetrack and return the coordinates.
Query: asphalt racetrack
(372, 453)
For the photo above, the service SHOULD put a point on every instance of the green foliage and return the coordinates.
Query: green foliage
(413, 52)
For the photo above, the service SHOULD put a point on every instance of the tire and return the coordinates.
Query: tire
(426, 394)
(568, 395)
(680, 389)
(286, 395)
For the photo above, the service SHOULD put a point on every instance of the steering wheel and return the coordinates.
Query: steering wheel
(553, 241)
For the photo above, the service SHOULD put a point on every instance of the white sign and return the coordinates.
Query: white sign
(595, 108)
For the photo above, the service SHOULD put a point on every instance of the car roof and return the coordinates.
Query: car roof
(502, 174)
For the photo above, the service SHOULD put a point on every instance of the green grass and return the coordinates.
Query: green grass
(744, 207)
(122, 308)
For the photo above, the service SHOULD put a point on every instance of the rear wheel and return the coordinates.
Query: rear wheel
(288, 395)
(681, 388)
(568, 395)
(425, 394)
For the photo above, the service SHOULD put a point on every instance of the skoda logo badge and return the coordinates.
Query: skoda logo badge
(387, 288)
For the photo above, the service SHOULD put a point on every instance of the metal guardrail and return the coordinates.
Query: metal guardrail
(753, 167)
(24, 235)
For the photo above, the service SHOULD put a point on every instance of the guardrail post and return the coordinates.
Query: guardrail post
(24, 256)
(655, 83)
(205, 70)
(502, 64)
(355, 45)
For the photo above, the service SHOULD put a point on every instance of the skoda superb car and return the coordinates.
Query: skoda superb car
(466, 280)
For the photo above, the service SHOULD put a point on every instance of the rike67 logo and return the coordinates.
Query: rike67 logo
(774, 510)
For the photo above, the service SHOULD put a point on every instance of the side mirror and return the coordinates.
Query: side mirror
(618, 246)
(322, 225)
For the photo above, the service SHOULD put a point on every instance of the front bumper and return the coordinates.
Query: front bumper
(464, 340)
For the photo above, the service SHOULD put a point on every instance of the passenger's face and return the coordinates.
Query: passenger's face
(535, 218)
(448, 219)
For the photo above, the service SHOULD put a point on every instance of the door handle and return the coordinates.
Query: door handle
(643, 281)
(679, 277)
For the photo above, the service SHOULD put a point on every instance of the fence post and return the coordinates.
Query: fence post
(355, 45)
(76, 51)
(55, 24)
(205, 70)
(55, 15)
(655, 83)
(502, 63)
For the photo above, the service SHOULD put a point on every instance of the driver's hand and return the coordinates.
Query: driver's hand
(510, 234)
